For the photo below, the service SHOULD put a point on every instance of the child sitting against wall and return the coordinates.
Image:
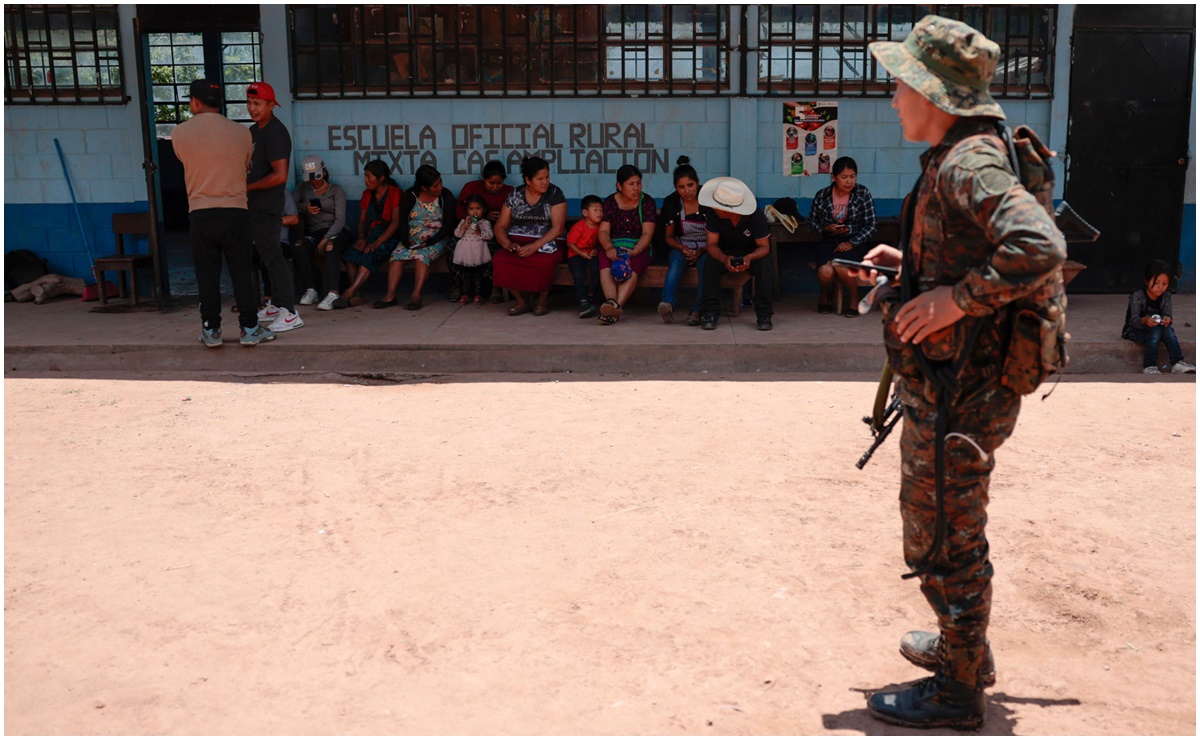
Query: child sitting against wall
(1148, 320)
(471, 253)
(583, 256)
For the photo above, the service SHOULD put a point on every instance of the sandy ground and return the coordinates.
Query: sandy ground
(585, 557)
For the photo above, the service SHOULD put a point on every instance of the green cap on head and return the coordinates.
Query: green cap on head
(949, 63)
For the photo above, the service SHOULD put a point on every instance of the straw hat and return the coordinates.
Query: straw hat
(728, 194)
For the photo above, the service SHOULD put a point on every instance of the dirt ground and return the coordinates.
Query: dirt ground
(589, 556)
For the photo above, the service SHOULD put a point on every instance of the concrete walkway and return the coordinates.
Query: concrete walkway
(67, 336)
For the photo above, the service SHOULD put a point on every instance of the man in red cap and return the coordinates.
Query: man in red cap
(215, 153)
(265, 193)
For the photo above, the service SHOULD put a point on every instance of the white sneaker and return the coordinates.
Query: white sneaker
(269, 312)
(1183, 367)
(1152, 371)
(286, 321)
(309, 297)
(326, 303)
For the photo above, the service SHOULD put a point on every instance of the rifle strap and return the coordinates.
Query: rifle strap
(945, 381)
(943, 377)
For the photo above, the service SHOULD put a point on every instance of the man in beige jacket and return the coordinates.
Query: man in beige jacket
(215, 153)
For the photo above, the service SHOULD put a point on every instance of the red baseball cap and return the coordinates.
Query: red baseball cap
(262, 91)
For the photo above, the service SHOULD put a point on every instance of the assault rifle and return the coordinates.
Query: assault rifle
(883, 417)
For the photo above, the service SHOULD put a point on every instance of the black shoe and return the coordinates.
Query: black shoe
(764, 323)
(824, 308)
(923, 649)
(708, 323)
(931, 702)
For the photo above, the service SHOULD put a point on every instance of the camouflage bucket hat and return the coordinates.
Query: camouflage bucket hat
(947, 62)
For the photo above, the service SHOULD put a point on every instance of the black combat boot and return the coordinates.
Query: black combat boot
(921, 649)
(931, 702)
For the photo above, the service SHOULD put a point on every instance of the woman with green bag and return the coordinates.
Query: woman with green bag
(625, 235)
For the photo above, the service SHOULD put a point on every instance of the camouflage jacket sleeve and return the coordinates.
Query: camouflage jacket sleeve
(1028, 247)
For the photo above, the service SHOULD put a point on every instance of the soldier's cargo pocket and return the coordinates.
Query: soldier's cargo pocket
(1033, 352)
(945, 344)
(902, 356)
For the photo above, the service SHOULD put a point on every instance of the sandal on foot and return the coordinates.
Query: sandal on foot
(414, 305)
(611, 308)
(541, 311)
(386, 304)
(518, 310)
(608, 320)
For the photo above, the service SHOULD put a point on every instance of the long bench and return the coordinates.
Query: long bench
(654, 277)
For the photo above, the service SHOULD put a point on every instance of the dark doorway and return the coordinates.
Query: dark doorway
(177, 44)
(1127, 142)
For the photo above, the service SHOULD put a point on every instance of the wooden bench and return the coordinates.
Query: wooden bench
(656, 275)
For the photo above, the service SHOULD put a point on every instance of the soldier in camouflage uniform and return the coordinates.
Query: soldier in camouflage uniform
(978, 241)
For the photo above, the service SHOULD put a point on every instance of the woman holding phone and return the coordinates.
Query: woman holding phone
(844, 214)
(322, 206)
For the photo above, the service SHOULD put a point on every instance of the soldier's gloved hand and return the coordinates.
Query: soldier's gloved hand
(929, 312)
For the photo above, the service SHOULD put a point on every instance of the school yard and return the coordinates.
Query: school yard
(566, 555)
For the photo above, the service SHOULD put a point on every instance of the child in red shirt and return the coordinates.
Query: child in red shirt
(582, 254)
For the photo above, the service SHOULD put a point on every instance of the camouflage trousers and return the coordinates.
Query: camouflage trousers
(958, 585)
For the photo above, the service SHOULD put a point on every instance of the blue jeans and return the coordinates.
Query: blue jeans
(677, 265)
(579, 268)
(1166, 335)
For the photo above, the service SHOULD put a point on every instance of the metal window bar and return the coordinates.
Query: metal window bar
(25, 56)
(534, 52)
(51, 75)
(781, 46)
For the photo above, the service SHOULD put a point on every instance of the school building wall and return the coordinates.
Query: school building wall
(587, 138)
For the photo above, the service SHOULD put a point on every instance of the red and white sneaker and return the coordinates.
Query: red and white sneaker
(269, 312)
(286, 321)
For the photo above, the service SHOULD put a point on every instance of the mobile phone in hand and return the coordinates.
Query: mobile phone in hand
(889, 271)
(314, 203)
(736, 261)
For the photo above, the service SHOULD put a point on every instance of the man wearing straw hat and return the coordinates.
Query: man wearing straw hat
(739, 240)
(977, 240)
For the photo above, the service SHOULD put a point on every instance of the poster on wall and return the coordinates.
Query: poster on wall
(810, 137)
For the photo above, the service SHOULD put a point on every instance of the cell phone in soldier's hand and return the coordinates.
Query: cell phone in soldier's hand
(889, 271)
(736, 261)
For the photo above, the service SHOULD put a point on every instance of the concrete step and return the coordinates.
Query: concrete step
(65, 336)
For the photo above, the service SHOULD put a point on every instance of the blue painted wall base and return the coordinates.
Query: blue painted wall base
(52, 231)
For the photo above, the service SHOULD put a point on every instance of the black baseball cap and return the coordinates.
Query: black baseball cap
(206, 91)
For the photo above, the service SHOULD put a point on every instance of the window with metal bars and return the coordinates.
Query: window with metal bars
(62, 54)
(822, 49)
(341, 51)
